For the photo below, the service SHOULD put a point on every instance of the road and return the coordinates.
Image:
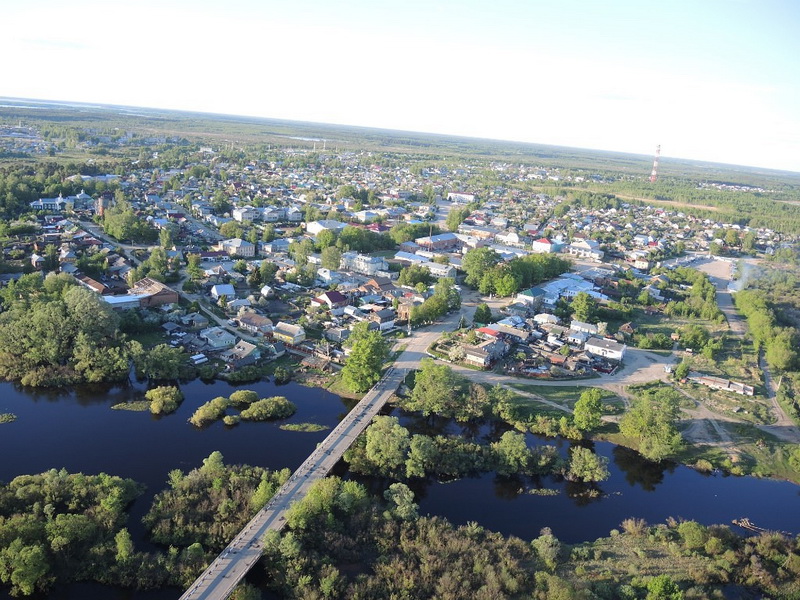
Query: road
(229, 568)
(721, 275)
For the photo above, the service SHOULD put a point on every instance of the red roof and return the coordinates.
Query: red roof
(488, 331)
(543, 241)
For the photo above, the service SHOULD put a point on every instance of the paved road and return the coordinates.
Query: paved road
(229, 568)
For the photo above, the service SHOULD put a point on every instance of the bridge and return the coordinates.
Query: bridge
(218, 581)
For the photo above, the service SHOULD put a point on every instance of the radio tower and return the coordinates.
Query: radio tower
(654, 174)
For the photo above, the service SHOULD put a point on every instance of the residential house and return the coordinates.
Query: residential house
(542, 246)
(223, 289)
(37, 261)
(439, 270)
(153, 293)
(238, 247)
(242, 354)
(605, 348)
(195, 321)
(49, 204)
(532, 297)
(384, 318)
(217, 338)
(336, 335)
(485, 353)
(254, 322)
(584, 327)
(577, 338)
(288, 333)
(330, 300)
(460, 197)
(443, 241)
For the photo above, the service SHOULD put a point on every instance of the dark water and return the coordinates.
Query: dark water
(580, 512)
(78, 431)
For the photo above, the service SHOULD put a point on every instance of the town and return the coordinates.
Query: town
(480, 292)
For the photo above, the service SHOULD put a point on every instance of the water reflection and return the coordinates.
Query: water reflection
(640, 471)
(583, 493)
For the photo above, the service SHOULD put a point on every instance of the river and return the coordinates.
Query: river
(77, 430)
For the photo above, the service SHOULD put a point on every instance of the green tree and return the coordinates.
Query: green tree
(511, 453)
(588, 409)
(124, 545)
(268, 271)
(445, 289)
(387, 444)
(27, 565)
(240, 266)
(456, 216)
(682, 370)
(325, 239)
(439, 390)
(193, 268)
(651, 422)
(413, 275)
(402, 498)
(477, 262)
(161, 362)
(483, 314)
(165, 238)
(231, 229)
(584, 308)
(661, 587)
(585, 465)
(363, 367)
(331, 258)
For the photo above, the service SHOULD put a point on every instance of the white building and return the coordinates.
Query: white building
(314, 227)
(439, 270)
(585, 249)
(605, 348)
(360, 263)
(238, 247)
(542, 246)
(245, 213)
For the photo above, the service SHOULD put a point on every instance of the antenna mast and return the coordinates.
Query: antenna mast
(654, 173)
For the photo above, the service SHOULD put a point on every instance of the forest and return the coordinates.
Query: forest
(53, 332)
(403, 555)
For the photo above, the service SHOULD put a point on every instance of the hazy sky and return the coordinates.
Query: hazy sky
(714, 80)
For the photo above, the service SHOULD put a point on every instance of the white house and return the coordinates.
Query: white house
(245, 213)
(584, 327)
(314, 227)
(217, 338)
(360, 263)
(439, 270)
(223, 289)
(542, 246)
(585, 249)
(605, 348)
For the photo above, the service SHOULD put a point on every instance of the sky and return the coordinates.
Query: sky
(714, 80)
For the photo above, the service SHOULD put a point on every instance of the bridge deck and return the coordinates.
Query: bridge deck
(218, 581)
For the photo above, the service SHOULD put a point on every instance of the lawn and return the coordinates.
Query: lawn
(149, 339)
(564, 395)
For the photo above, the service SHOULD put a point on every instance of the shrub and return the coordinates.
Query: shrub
(243, 397)
(634, 526)
(209, 412)
(164, 399)
(276, 407)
